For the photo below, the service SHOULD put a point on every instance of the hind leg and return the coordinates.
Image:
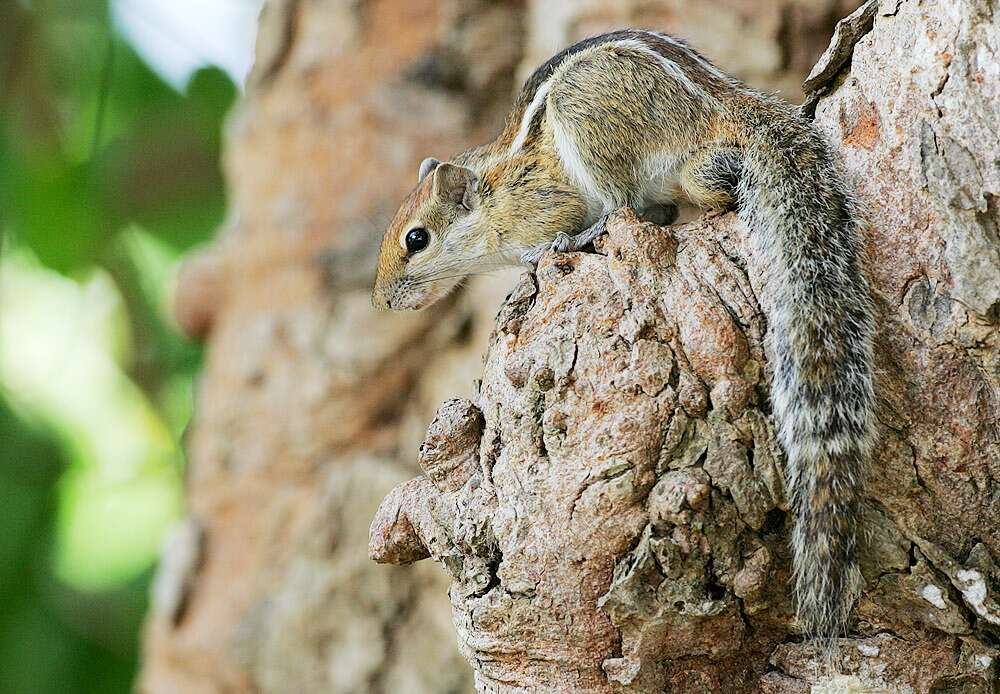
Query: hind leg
(710, 178)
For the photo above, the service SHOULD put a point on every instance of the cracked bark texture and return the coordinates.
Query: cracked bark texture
(608, 504)
(622, 525)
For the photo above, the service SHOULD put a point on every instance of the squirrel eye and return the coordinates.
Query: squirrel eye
(417, 240)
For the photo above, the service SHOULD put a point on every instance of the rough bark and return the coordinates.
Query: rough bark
(608, 506)
(615, 519)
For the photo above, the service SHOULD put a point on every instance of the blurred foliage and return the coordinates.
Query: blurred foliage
(53, 639)
(93, 139)
(107, 176)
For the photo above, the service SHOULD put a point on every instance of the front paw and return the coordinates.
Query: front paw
(531, 258)
(562, 243)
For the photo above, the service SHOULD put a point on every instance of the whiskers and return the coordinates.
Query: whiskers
(479, 265)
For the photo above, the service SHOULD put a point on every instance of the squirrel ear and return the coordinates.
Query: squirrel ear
(458, 184)
(426, 166)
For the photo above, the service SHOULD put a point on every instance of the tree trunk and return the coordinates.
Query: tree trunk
(608, 505)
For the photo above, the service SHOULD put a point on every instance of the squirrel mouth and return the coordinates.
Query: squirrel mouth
(406, 297)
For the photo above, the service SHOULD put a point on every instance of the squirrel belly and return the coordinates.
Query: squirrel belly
(640, 119)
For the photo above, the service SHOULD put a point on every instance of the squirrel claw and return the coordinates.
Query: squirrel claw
(562, 243)
(588, 235)
(531, 258)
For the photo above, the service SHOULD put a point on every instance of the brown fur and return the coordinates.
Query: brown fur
(639, 119)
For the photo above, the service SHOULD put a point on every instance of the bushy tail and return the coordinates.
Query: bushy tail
(805, 231)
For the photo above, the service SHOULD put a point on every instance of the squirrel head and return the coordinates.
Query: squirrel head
(433, 242)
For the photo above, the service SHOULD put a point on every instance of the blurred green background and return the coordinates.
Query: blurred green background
(109, 175)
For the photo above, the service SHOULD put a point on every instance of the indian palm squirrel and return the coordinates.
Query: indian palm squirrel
(640, 119)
